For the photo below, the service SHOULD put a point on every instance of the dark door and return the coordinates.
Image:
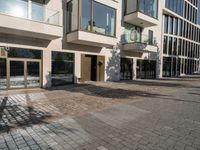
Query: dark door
(33, 74)
(17, 74)
(126, 70)
(146, 69)
(3, 78)
(100, 68)
(85, 68)
(92, 68)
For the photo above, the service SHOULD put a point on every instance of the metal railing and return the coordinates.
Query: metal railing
(30, 10)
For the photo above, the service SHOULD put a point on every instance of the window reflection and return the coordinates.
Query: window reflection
(62, 68)
(104, 19)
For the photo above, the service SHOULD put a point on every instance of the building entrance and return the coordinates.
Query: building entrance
(23, 73)
(20, 68)
(92, 68)
(146, 69)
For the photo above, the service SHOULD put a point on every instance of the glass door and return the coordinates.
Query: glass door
(24, 73)
(33, 74)
(17, 72)
(3, 78)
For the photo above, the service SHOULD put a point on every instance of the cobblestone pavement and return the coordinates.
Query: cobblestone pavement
(134, 115)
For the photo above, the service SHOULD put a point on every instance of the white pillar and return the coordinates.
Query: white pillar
(77, 67)
(46, 76)
(134, 68)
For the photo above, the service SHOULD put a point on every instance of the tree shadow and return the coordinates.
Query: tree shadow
(154, 83)
(104, 91)
(113, 66)
(18, 116)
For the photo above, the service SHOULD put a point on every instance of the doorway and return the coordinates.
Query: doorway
(126, 69)
(23, 73)
(92, 68)
(146, 69)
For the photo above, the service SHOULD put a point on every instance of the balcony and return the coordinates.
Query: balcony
(29, 19)
(141, 13)
(94, 25)
(141, 44)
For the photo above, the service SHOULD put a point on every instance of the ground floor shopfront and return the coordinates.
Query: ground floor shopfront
(24, 68)
(33, 68)
(174, 66)
(142, 69)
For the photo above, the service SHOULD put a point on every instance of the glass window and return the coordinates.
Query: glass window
(130, 6)
(175, 26)
(72, 16)
(171, 25)
(24, 53)
(86, 15)
(167, 66)
(166, 24)
(175, 47)
(62, 68)
(165, 44)
(179, 46)
(170, 46)
(150, 37)
(3, 84)
(149, 7)
(104, 19)
(180, 27)
(100, 19)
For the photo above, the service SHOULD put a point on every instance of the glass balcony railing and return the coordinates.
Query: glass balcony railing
(29, 10)
(148, 7)
(138, 38)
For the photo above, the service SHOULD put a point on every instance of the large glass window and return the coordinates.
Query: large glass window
(179, 47)
(95, 17)
(167, 66)
(149, 7)
(175, 6)
(71, 16)
(165, 44)
(166, 24)
(86, 19)
(175, 47)
(130, 6)
(171, 25)
(150, 37)
(104, 19)
(175, 26)
(62, 68)
(170, 45)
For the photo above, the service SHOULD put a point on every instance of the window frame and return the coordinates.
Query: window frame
(91, 16)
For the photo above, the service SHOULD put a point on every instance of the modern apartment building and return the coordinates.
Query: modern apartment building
(47, 43)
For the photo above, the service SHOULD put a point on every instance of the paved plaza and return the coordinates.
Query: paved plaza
(130, 115)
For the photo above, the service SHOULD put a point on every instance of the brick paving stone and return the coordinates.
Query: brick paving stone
(140, 115)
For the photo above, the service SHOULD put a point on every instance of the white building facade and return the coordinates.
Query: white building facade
(46, 43)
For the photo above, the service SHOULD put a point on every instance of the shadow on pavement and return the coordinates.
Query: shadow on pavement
(105, 92)
(14, 116)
